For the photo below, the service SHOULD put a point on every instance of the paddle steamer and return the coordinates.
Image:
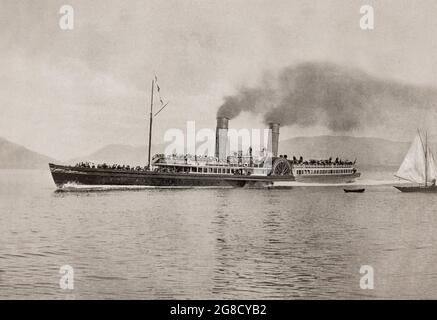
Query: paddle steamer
(222, 170)
(184, 171)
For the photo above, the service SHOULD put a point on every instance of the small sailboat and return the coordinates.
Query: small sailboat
(354, 190)
(418, 167)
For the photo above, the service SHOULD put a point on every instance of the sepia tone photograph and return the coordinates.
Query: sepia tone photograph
(218, 150)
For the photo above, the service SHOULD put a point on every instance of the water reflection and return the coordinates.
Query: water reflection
(214, 243)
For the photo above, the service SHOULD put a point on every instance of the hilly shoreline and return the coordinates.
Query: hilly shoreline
(369, 152)
(15, 156)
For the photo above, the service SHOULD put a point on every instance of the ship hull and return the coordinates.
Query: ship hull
(69, 175)
(429, 189)
(331, 178)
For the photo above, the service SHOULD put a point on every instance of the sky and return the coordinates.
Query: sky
(66, 93)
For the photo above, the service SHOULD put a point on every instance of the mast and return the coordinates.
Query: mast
(150, 127)
(426, 158)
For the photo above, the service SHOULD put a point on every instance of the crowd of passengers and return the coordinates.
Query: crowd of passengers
(110, 166)
(300, 161)
(137, 168)
(328, 162)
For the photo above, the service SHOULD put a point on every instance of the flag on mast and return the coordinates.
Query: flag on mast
(163, 105)
(159, 90)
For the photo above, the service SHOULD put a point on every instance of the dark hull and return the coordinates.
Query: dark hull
(354, 190)
(328, 178)
(429, 189)
(63, 175)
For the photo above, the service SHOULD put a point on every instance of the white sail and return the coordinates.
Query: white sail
(413, 166)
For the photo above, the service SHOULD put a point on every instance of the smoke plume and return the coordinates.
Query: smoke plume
(338, 98)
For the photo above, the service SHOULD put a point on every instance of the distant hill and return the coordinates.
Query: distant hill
(118, 153)
(14, 156)
(367, 151)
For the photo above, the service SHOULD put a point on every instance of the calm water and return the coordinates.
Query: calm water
(307, 242)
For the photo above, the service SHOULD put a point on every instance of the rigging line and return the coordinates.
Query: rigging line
(161, 109)
(402, 178)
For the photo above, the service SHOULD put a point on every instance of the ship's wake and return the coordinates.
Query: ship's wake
(73, 187)
(359, 182)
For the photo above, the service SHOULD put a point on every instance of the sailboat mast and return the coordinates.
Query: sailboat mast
(150, 127)
(426, 158)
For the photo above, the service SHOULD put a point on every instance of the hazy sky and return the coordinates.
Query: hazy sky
(67, 93)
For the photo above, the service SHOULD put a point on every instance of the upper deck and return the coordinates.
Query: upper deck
(248, 165)
(324, 167)
(239, 164)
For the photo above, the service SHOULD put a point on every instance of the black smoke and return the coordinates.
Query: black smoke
(336, 97)
(256, 100)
